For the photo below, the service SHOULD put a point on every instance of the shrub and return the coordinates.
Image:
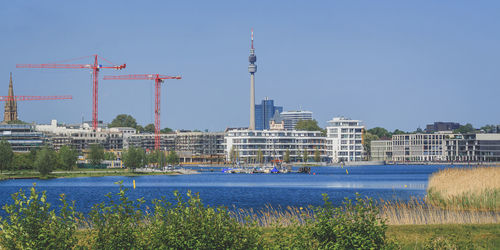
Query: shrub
(191, 225)
(116, 225)
(350, 226)
(32, 225)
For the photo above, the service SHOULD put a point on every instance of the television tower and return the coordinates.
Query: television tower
(252, 68)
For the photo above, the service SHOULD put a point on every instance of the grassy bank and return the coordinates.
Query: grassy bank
(76, 173)
(466, 189)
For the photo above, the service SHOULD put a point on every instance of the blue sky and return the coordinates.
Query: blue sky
(395, 64)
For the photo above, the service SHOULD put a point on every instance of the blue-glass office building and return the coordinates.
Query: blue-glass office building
(264, 112)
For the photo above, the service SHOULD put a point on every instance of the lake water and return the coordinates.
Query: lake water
(242, 190)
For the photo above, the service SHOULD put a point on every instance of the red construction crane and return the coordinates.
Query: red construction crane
(95, 67)
(158, 80)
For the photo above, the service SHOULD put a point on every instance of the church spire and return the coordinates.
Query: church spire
(10, 113)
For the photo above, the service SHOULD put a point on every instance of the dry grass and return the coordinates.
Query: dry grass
(466, 188)
(413, 212)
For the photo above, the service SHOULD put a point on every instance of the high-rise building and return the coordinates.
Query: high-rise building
(344, 139)
(10, 113)
(264, 112)
(252, 68)
(292, 117)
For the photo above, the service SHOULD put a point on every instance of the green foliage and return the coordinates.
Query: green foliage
(116, 224)
(150, 128)
(16, 122)
(21, 161)
(467, 128)
(305, 156)
(286, 157)
(260, 156)
(6, 155)
(32, 225)
(234, 155)
(317, 155)
(157, 157)
(96, 154)
(381, 133)
(67, 157)
(191, 225)
(490, 128)
(46, 161)
(451, 242)
(398, 132)
(166, 130)
(109, 156)
(172, 158)
(350, 226)
(123, 120)
(133, 158)
(308, 125)
(367, 140)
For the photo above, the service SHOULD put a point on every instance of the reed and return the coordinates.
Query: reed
(413, 212)
(466, 189)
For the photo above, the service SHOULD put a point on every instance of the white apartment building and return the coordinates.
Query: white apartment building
(292, 117)
(273, 144)
(344, 141)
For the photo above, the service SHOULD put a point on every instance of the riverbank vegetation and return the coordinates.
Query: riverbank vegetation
(186, 223)
(466, 189)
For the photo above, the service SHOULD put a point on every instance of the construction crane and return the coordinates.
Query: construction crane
(95, 67)
(158, 80)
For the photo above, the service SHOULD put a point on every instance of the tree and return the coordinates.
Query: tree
(382, 133)
(260, 156)
(166, 131)
(368, 138)
(21, 161)
(150, 128)
(305, 156)
(286, 157)
(317, 156)
(67, 157)
(467, 128)
(490, 128)
(133, 158)
(307, 125)
(398, 132)
(96, 154)
(123, 120)
(6, 155)
(109, 156)
(173, 158)
(46, 161)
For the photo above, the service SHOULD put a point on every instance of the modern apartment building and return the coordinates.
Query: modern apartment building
(473, 147)
(22, 137)
(264, 112)
(419, 147)
(441, 126)
(273, 144)
(381, 150)
(344, 141)
(292, 117)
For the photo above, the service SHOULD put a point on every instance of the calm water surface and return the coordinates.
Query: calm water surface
(242, 190)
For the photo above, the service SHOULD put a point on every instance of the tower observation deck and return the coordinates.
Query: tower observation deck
(252, 68)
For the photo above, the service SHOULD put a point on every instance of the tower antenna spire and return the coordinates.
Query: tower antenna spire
(252, 38)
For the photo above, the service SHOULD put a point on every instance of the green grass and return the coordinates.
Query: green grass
(480, 236)
(30, 174)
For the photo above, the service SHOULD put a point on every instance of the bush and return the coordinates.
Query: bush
(350, 226)
(31, 225)
(191, 225)
(116, 225)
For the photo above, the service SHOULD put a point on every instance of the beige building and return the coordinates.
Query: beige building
(381, 150)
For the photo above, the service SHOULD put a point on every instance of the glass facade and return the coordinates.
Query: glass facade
(264, 112)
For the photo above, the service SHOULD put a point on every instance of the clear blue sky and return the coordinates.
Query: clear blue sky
(395, 64)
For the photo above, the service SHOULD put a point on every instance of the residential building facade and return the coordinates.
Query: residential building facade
(22, 137)
(381, 150)
(345, 140)
(273, 144)
(419, 147)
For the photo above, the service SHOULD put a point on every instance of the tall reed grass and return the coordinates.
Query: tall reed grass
(466, 188)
